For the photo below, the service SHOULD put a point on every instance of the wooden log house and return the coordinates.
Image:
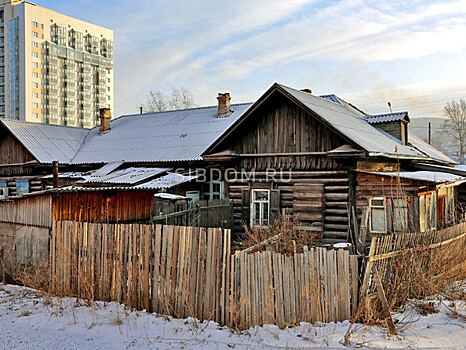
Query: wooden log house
(318, 159)
(325, 163)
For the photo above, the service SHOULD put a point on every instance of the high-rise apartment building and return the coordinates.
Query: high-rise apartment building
(53, 68)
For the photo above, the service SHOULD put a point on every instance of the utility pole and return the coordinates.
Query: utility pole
(430, 133)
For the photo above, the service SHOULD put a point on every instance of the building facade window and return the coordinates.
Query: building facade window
(377, 215)
(400, 215)
(35, 34)
(35, 44)
(3, 189)
(22, 187)
(35, 115)
(35, 105)
(35, 54)
(35, 75)
(260, 207)
(213, 190)
(35, 24)
(35, 95)
(35, 64)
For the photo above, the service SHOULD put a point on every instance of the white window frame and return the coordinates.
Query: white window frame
(210, 194)
(378, 207)
(260, 203)
(35, 34)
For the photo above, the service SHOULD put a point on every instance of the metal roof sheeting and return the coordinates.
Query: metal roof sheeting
(331, 98)
(429, 176)
(106, 169)
(351, 123)
(128, 176)
(158, 137)
(48, 142)
(428, 149)
(388, 117)
(167, 181)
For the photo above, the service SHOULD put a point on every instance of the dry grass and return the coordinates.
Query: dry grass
(420, 279)
(284, 235)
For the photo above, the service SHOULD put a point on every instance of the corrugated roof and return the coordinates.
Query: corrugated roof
(158, 137)
(106, 169)
(351, 123)
(428, 149)
(167, 181)
(331, 98)
(388, 117)
(46, 142)
(128, 176)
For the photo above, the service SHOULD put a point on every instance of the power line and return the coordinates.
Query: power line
(416, 97)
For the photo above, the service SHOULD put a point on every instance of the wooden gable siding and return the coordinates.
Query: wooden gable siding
(280, 126)
(11, 150)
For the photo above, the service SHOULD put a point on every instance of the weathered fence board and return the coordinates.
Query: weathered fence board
(189, 271)
(389, 250)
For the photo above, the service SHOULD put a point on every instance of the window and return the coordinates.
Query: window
(35, 95)
(42, 27)
(35, 115)
(213, 190)
(35, 85)
(428, 210)
(377, 215)
(35, 34)
(35, 75)
(194, 195)
(35, 54)
(400, 215)
(35, 65)
(108, 88)
(42, 36)
(3, 189)
(22, 187)
(260, 207)
(35, 24)
(35, 105)
(35, 44)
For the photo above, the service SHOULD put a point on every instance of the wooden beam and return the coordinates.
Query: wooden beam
(383, 300)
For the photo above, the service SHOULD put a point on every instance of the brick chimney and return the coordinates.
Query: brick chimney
(105, 116)
(223, 104)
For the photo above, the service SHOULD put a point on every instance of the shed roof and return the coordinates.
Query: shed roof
(47, 142)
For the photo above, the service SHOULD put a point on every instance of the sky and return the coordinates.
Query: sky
(411, 53)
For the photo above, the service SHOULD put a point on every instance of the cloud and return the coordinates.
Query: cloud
(244, 46)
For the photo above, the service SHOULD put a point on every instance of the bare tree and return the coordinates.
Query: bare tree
(179, 98)
(455, 125)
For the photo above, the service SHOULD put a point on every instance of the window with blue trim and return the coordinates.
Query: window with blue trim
(22, 187)
(3, 189)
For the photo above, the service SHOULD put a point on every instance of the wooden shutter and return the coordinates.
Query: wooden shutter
(274, 206)
(246, 207)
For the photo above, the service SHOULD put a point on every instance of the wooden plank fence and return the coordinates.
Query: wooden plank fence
(189, 271)
(437, 248)
(316, 285)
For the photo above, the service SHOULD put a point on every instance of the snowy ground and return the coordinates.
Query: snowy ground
(28, 321)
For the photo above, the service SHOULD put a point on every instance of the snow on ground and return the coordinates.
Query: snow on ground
(29, 321)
